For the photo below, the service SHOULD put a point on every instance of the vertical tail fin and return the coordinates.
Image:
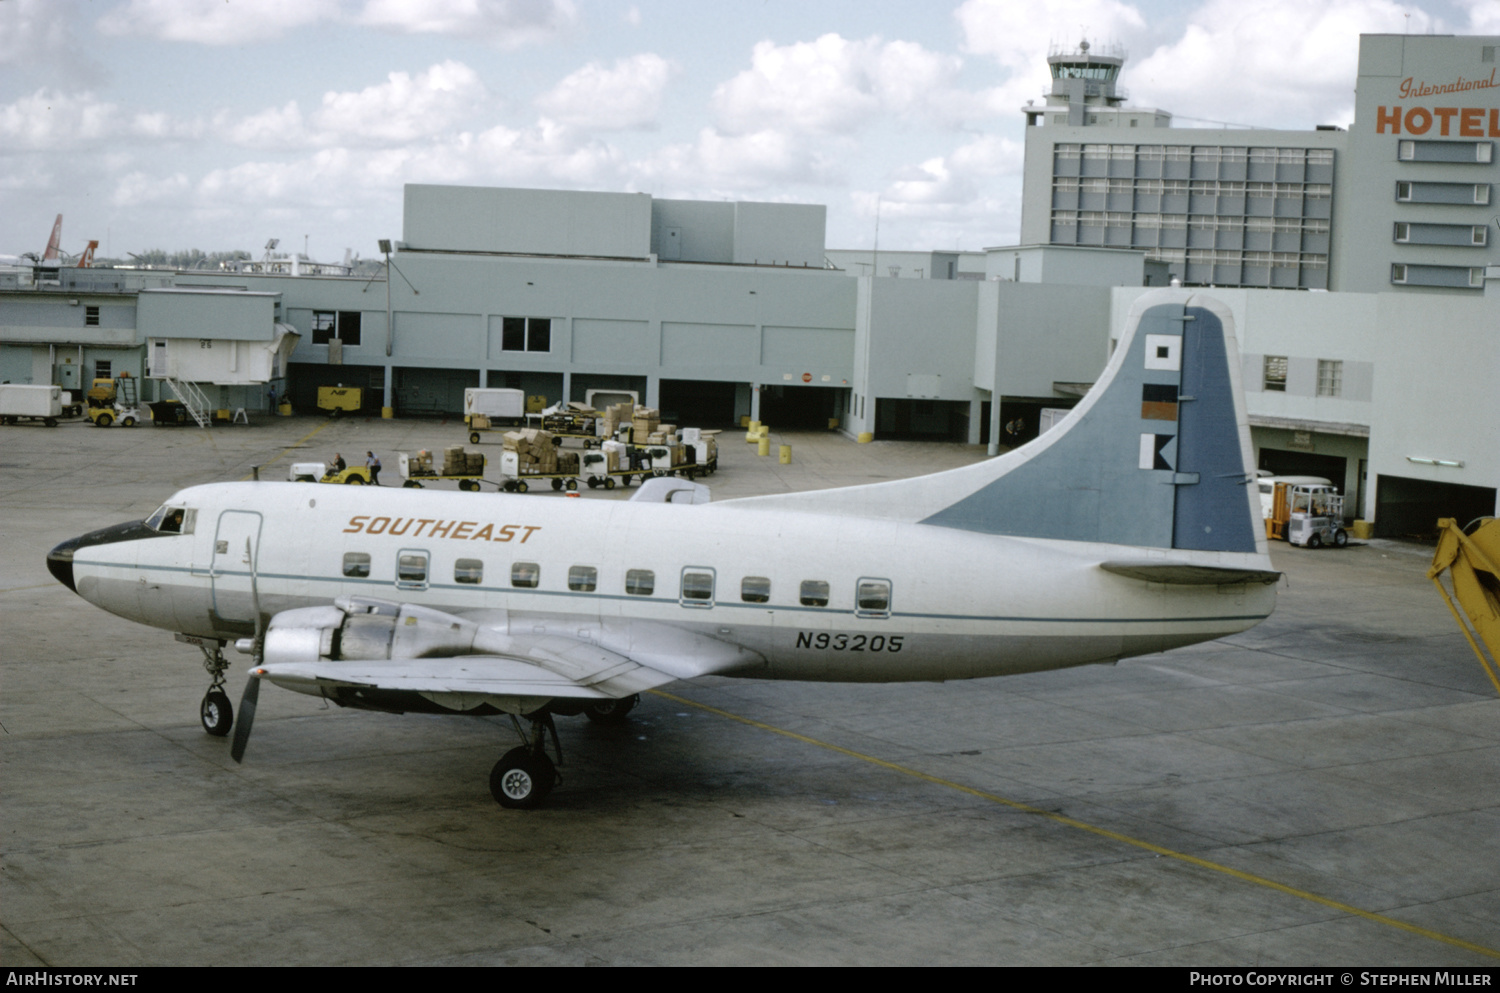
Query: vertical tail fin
(1157, 454)
(54, 242)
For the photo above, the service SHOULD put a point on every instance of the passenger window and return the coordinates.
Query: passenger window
(814, 593)
(697, 587)
(873, 598)
(755, 589)
(583, 578)
(469, 571)
(411, 569)
(525, 575)
(640, 582)
(356, 565)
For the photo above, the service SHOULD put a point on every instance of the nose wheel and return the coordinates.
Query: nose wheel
(216, 712)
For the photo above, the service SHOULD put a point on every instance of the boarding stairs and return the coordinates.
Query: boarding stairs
(194, 399)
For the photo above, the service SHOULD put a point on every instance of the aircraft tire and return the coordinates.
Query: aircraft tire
(521, 780)
(611, 711)
(216, 713)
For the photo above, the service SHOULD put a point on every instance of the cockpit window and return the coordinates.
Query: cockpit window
(172, 520)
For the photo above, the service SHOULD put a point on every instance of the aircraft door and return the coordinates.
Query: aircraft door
(231, 565)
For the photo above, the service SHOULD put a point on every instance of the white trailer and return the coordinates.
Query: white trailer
(490, 409)
(20, 402)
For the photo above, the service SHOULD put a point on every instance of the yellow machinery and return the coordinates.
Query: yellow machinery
(1472, 562)
(340, 400)
(111, 400)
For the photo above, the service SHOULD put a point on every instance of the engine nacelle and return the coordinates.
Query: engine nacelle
(363, 629)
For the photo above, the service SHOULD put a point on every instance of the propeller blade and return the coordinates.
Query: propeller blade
(246, 718)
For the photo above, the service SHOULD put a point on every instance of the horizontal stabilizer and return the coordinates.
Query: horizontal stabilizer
(1185, 574)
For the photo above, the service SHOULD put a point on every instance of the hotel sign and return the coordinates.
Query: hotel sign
(1461, 122)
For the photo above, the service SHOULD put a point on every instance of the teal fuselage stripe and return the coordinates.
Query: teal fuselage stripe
(395, 589)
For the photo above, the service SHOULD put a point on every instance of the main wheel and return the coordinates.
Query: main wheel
(216, 713)
(1315, 540)
(105, 420)
(1340, 538)
(611, 711)
(520, 780)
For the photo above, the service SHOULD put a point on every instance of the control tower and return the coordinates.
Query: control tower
(1084, 89)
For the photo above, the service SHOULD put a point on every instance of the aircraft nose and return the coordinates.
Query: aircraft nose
(60, 559)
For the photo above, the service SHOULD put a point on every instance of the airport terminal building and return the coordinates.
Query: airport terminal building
(1359, 266)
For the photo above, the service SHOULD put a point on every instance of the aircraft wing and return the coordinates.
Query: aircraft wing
(376, 648)
(539, 666)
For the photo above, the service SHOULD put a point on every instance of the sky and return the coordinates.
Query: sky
(220, 124)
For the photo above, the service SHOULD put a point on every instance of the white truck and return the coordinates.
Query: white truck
(490, 409)
(19, 402)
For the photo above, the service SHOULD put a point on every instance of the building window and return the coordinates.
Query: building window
(1398, 273)
(103, 369)
(1275, 374)
(343, 325)
(1330, 378)
(526, 334)
(91, 317)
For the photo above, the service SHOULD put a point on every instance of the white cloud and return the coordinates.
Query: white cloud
(835, 85)
(35, 31)
(718, 164)
(1484, 17)
(1267, 63)
(216, 22)
(404, 107)
(137, 189)
(507, 23)
(49, 120)
(626, 95)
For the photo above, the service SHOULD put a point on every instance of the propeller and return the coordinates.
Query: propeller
(257, 656)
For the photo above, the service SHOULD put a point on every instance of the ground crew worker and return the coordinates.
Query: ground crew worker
(372, 463)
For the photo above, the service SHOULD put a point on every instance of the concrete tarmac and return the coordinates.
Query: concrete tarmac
(1320, 790)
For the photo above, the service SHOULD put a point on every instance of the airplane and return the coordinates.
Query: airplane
(1131, 527)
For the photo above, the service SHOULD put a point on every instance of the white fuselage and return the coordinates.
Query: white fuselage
(958, 604)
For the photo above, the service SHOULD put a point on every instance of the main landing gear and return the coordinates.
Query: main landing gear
(215, 711)
(524, 776)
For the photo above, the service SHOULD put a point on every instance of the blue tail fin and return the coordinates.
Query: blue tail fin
(1156, 455)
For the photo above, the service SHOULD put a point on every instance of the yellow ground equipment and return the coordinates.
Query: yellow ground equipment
(111, 400)
(340, 400)
(1472, 562)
